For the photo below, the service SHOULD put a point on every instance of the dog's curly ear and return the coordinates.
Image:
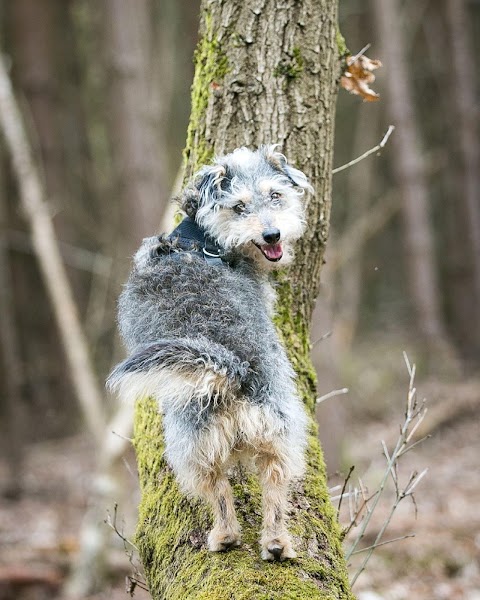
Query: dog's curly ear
(188, 201)
(278, 161)
(208, 182)
(205, 189)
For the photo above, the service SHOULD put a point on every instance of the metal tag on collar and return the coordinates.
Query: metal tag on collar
(212, 259)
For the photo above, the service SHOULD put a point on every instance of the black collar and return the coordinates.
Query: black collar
(190, 237)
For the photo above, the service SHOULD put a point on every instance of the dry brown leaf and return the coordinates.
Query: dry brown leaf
(358, 76)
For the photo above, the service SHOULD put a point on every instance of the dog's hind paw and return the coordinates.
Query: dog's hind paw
(222, 541)
(279, 548)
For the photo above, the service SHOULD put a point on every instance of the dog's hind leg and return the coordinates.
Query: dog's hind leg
(275, 541)
(226, 530)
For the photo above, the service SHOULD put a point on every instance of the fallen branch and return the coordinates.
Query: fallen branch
(36, 210)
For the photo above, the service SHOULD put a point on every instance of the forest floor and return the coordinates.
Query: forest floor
(39, 532)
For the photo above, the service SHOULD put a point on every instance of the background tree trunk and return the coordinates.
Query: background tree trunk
(360, 184)
(410, 175)
(264, 73)
(34, 33)
(12, 430)
(464, 246)
(139, 166)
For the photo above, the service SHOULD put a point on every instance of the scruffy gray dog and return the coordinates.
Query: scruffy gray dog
(196, 317)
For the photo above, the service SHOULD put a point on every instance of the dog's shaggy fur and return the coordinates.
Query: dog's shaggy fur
(203, 344)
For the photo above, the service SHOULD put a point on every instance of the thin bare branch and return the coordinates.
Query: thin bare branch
(416, 480)
(347, 478)
(376, 148)
(407, 362)
(332, 394)
(123, 437)
(320, 339)
(353, 59)
(397, 539)
(414, 415)
(408, 448)
(112, 523)
(136, 579)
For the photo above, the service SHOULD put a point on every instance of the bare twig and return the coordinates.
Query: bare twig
(353, 59)
(332, 394)
(377, 148)
(360, 508)
(397, 539)
(132, 582)
(112, 523)
(344, 488)
(123, 437)
(412, 446)
(136, 579)
(414, 414)
(323, 337)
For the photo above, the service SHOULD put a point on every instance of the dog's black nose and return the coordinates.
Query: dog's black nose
(272, 235)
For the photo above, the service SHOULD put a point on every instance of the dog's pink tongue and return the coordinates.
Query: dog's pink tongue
(273, 251)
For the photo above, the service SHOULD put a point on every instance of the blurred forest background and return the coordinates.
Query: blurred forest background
(104, 90)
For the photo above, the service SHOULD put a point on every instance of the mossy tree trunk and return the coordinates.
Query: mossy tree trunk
(265, 72)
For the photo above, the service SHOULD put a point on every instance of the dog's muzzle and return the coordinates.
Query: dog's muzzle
(272, 249)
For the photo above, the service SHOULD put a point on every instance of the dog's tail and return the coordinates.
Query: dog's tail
(178, 371)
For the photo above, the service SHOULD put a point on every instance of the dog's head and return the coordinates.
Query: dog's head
(251, 201)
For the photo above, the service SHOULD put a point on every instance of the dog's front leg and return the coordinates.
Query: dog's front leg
(226, 530)
(275, 541)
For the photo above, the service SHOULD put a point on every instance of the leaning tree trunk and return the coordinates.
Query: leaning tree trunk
(265, 73)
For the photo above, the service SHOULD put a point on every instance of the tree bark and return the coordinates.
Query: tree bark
(410, 176)
(265, 72)
(33, 33)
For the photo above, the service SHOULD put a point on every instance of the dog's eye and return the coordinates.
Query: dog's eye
(239, 208)
(276, 198)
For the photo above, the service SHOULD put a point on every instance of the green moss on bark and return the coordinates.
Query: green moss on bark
(173, 529)
(343, 51)
(211, 66)
(292, 67)
(172, 533)
(294, 331)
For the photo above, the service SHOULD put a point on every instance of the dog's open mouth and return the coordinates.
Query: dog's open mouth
(272, 252)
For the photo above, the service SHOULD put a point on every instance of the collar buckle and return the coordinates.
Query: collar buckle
(211, 258)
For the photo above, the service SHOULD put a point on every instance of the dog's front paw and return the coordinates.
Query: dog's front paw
(279, 548)
(221, 540)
